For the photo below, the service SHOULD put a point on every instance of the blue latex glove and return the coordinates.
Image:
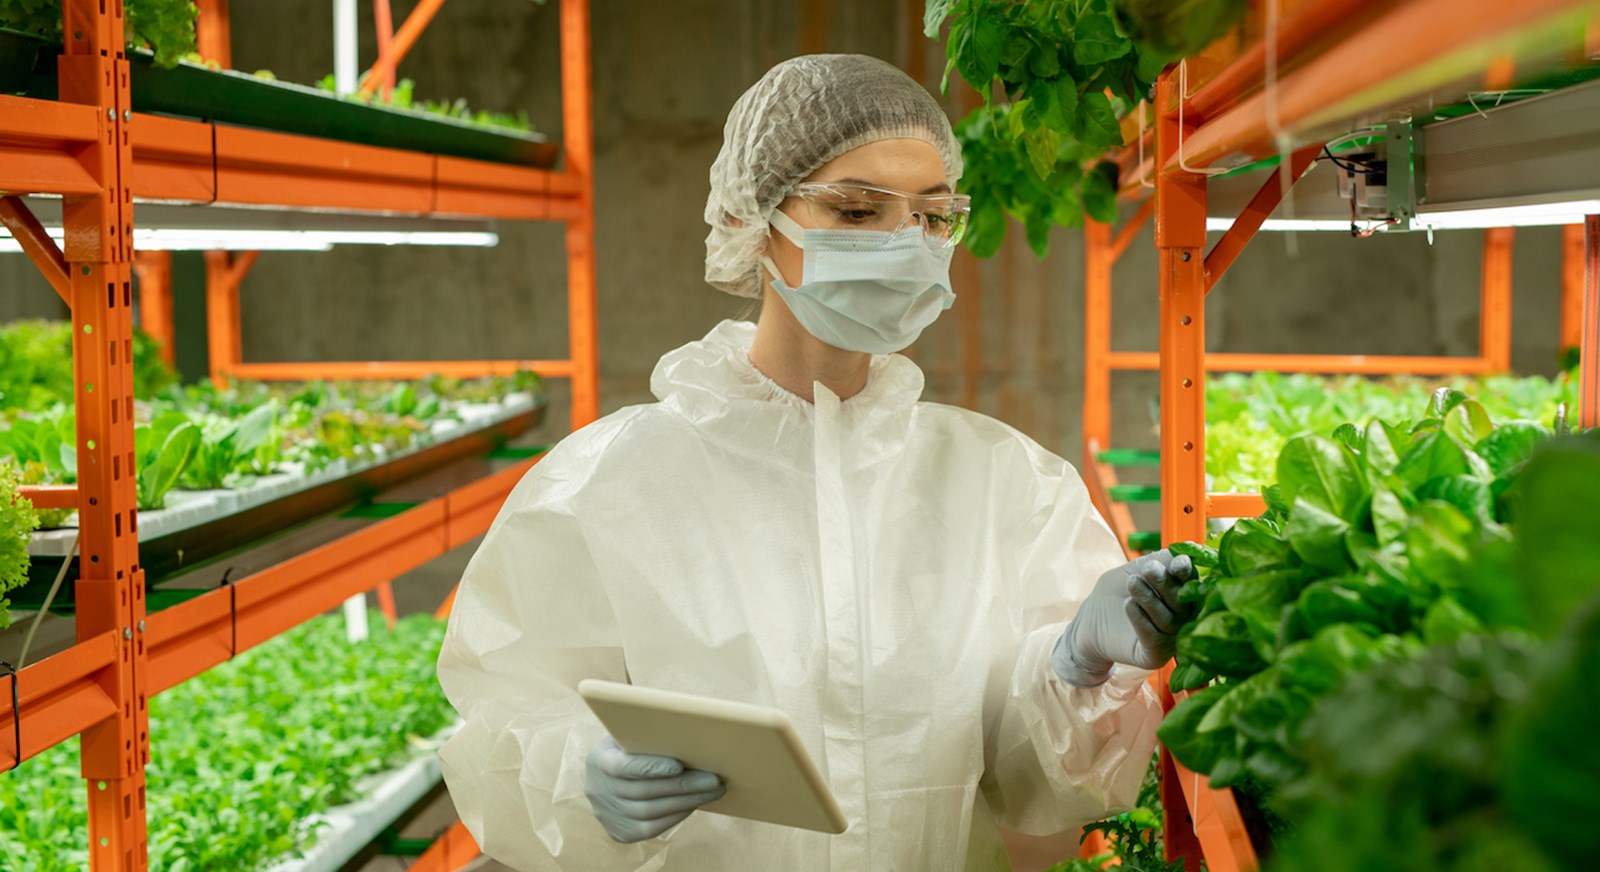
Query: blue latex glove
(639, 796)
(1132, 616)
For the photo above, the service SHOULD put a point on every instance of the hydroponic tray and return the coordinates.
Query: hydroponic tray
(347, 829)
(28, 67)
(187, 510)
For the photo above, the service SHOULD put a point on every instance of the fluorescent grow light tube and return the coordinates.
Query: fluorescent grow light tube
(1536, 215)
(278, 240)
(1284, 224)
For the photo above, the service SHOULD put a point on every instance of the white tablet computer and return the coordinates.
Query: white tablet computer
(755, 749)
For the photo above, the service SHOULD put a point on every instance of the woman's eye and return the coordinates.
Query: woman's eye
(855, 213)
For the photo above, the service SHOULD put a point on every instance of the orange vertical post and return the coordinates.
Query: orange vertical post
(213, 33)
(222, 316)
(1589, 342)
(154, 269)
(1494, 317)
(578, 134)
(93, 70)
(1097, 259)
(1572, 268)
(1180, 236)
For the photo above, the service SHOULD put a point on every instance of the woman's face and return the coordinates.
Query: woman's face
(909, 165)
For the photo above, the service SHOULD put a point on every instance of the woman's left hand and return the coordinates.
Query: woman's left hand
(1132, 616)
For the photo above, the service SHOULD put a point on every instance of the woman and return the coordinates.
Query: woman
(790, 527)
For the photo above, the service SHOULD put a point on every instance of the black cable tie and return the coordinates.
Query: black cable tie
(233, 612)
(16, 708)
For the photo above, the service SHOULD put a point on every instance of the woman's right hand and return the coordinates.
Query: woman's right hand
(639, 796)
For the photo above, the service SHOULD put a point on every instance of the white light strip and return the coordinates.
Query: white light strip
(1540, 215)
(278, 240)
(1281, 224)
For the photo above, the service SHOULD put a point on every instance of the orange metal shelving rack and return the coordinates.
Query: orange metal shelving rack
(1337, 61)
(90, 148)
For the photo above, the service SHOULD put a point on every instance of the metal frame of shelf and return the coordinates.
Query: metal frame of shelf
(90, 148)
(1339, 63)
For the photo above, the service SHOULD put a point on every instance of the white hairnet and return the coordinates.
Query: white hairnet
(803, 113)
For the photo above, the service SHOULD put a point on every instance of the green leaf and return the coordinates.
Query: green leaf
(987, 229)
(1324, 474)
(1511, 444)
(1350, 436)
(1557, 531)
(1042, 143)
(1468, 422)
(1389, 518)
(1318, 537)
(934, 13)
(1221, 642)
(1188, 676)
(1097, 122)
(1380, 454)
(1252, 545)
(1150, 65)
(1437, 540)
(1043, 63)
(1180, 730)
(1100, 193)
(1203, 556)
(1473, 496)
(1095, 40)
(1446, 621)
(1433, 454)
(978, 48)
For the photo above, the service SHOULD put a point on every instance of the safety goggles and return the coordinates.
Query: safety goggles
(839, 206)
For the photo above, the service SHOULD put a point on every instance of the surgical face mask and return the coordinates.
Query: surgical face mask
(865, 290)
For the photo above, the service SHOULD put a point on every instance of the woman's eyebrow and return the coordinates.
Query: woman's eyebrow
(940, 188)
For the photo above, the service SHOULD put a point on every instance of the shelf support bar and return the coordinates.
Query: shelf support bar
(154, 271)
(1572, 269)
(1494, 317)
(36, 243)
(1244, 228)
(1589, 347)
(383, 70)
(1180, 245)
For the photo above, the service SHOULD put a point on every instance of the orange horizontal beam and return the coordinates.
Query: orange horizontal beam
(1235, 505)
(395, 369)
(1340, 364)
(258, 167)
(173, 159)
(50, 496)
(1306, 23)
(190, 638)
(61, 696)
(480, 188)
(39, 144)
(1398, 54)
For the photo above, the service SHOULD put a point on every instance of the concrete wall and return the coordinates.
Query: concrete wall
(664, 78)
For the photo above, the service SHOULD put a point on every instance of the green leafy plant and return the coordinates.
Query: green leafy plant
(244, 754)
(1477, 754)
(36, 365)
(1068, 71)
(403, 96)
(1134, 837)
(230, 446)
(18, 520)
(1251, 417)
(166, 27)
(1178, 28)
(1374, 545)
(47, 442)
(165, 448)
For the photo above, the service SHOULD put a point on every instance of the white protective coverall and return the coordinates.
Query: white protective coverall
(892, 574)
